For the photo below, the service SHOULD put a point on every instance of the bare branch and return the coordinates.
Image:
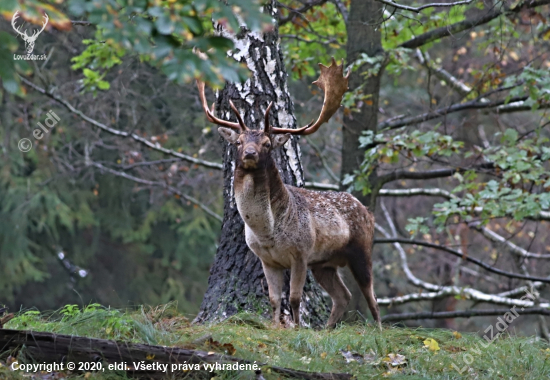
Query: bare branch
(403, 256)
(323, 160)
(319, 41)
(84, 23)
(439, 291)
(153, 145)
(518, 105)
(418, 9)
(321, 186)
(480, 263)
(341, 8)
(469, 23)
(298, 12)
(416, 191)
(467, 293)
(462, 314)
(163, 185)
(442, 74)
(150, 163)
(494, 237)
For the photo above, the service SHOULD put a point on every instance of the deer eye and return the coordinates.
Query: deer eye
(237, 142)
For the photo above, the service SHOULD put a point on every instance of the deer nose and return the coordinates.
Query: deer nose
(250, 153)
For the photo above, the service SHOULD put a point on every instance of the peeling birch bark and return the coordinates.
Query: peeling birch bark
(237, 281)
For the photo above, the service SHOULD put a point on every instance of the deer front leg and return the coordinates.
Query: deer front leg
(275, 281)
(298, 274)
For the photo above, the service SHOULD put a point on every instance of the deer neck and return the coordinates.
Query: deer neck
(260, 195)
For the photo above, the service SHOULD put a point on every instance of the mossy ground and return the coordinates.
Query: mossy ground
(249, 337)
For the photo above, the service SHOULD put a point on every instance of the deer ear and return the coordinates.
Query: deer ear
(228, 134)
(279, 140)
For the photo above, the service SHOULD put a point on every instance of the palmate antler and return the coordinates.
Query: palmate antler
(334, 84)
(331, 81)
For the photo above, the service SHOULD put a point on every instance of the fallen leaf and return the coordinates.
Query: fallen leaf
(352, 356)
(454, 349)
(229, 349)
(431, 344)
(457, 335)
(395, 360)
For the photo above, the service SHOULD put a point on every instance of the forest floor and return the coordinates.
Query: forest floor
(357, 349)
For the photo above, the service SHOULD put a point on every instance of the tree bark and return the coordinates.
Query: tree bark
(363, 30)
(237, 281)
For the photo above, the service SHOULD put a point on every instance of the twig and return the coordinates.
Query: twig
(443, 75)
(494, 237)
(342, 9)
(418, 9)
(480, 263)
(323, 161)
(159, 184)
(517, 104)
(155, 146)
(449, 30)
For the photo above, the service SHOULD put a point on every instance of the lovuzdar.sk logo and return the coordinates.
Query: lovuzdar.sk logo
(29, 40)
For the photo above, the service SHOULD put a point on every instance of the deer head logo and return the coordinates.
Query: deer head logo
(29, 40)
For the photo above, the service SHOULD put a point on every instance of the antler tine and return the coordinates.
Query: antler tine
(334, 84)
(210, 114)
(44, 25)
(267, 128)
(239, 118)
(17, 29)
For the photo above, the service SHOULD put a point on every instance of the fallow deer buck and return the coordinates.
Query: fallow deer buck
(290, 227)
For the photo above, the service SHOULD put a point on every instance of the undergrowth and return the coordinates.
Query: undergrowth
(358, 349)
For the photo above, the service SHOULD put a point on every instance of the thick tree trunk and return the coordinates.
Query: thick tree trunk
(363, 30)
(237, 281)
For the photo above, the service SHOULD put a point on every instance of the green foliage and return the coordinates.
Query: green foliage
(163, 33)
(520, 191)
(533, 82)
(392, 149)
(316, 40)
(400, 29)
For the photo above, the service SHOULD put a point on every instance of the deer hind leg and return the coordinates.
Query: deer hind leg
(361, 267)
(275, 281)
(330, 280)
(298, 275)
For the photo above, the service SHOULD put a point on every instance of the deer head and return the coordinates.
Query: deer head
(254, 145)
(29, 40)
